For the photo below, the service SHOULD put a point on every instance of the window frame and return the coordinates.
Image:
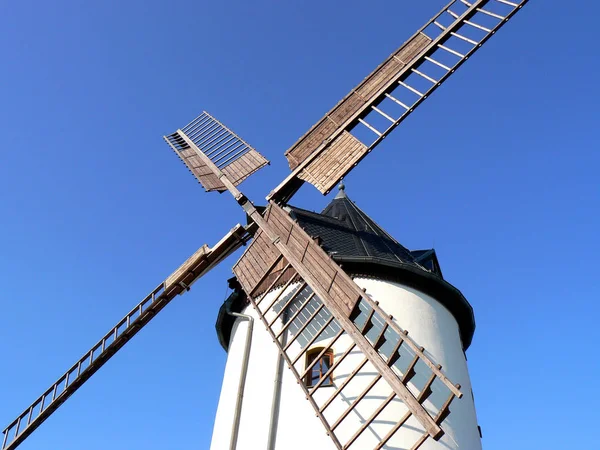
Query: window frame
(311, 361)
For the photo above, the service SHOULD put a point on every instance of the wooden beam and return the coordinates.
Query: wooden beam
(342, 316)
(340, 312)
(286, 189)
(309, 397)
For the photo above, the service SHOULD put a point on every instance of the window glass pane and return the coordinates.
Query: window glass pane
(319, 368)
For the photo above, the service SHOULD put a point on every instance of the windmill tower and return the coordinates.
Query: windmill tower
(260, 404)
(335, 294)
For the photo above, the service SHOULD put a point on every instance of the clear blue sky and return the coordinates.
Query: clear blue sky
(498, 171)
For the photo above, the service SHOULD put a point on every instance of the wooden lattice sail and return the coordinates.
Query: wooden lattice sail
(197, 265)
(283, 249)
(374, 108)
(214, 143)
(284, 255)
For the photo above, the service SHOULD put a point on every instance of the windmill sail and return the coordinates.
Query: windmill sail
(178, 282)
(216, 144)
(282, 250)
(320, 295)
(360, 121)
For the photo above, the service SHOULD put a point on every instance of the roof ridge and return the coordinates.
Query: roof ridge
(362, 243)
(371, 223)
(347, 231)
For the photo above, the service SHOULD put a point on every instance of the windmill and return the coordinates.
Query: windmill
(285, 266)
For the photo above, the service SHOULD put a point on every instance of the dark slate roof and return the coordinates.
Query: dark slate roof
(363, 248)
(428, 259)
(354, 240)
(346, 232)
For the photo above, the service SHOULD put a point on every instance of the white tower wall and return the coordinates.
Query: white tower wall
(430, 324)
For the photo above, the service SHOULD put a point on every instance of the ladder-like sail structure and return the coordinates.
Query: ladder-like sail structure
(318, 295)
(228, 161)
(315, 293)
(283, 250)
(372, 110)
(230, 153)
(178, 282)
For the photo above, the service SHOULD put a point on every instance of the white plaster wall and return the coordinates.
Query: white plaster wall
(296, 420)
(432, 326)
(256, 405)
(429, 324)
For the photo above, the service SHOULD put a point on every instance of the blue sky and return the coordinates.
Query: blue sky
(498, 171)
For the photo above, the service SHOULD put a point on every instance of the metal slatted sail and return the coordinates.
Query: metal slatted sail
(315, 297)
(178, 282)
(218, 144)
(360, 121)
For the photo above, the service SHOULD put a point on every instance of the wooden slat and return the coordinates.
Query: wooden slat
(336, 363)
(412, 344)
(344, 149)
(341, 387)
(370, 420)
(268, 272)
(350, 105)
(333, 162)
(255, 262)
(192, 261)
(393, 431)
(278, 296)
(341, 310)
(191, 270)
(410, 370)
(297, 292)
(306, 322)
(315, 137)
(395, 354)
(365, 391)
(426, 391)
(275, 278)
(313, 339)
(319, 265)
(277, 221)
(251, 265)
(443, 413)
(410, 57)
(420, 441)
(287, 359)
(296, 314)
(240, 169)
(356, 401)
(205, 136)
(423, 395)
(368, 322)
(344, 110)
(203, 173)
(321, 354)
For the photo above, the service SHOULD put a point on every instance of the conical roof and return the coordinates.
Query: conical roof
(348, 234)
(363, 248)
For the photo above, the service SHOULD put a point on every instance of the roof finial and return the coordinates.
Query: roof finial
(342, 188)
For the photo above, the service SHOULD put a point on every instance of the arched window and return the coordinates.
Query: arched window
(319, 365)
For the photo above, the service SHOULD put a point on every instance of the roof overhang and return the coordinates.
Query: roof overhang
(408, 275)
(428, 283)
